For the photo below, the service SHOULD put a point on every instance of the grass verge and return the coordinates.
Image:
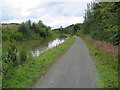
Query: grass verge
(106, 66)
(26, 74)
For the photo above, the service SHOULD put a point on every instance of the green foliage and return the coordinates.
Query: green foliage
(72, 29)
(24, 75)
(25, 31)
(24, 28)
(12, 57)
(41, 29)
(101, 21)
(9, 58)
(12, 36)
(23, 55)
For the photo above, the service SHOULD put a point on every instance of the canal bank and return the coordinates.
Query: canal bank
(27, 73)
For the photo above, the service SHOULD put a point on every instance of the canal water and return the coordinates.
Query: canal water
(36, 51)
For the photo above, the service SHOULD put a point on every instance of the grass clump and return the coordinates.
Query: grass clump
(23, 76)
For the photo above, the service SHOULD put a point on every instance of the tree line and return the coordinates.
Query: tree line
(101, 22)
(26, 30)
(72, 29)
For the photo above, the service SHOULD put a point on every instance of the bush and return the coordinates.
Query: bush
(17, 36)
(9, 57)
(24, 28)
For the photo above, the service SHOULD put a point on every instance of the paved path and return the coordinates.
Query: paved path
(73, 70)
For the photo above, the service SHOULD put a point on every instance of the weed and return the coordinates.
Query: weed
(105, 61)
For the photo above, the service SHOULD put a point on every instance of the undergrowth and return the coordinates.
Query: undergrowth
(23, 76)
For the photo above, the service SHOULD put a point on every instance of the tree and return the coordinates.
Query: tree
(101, 21)
(24, 28)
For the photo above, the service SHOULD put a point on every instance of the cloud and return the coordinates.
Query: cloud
(54, 13)
(21, 6)
(56, 22)
(65, 9)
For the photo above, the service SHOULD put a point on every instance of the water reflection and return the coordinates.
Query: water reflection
(54, 43)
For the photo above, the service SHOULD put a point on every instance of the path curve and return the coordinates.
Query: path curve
(74, 69)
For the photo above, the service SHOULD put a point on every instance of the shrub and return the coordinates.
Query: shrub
(9, 57)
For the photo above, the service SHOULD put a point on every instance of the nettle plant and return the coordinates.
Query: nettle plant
(12, 57)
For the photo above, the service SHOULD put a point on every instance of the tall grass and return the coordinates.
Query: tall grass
(104, 46)
(105, 57)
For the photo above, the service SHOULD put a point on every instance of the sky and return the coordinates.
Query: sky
(54, 13)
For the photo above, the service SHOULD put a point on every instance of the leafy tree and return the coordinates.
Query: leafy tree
(101, 21)
(24, 28)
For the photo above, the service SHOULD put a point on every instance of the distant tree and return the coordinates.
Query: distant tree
(34, 28)
(30, 24)
(49, 27)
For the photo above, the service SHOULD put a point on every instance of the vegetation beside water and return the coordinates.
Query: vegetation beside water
(17, 40)
(24, 75)
(13, 54)
(25, 31)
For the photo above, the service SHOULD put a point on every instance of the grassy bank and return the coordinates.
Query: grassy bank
(26, 74)
(29, 43)
(106, 65)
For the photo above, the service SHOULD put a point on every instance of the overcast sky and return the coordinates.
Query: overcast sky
(54, 13)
